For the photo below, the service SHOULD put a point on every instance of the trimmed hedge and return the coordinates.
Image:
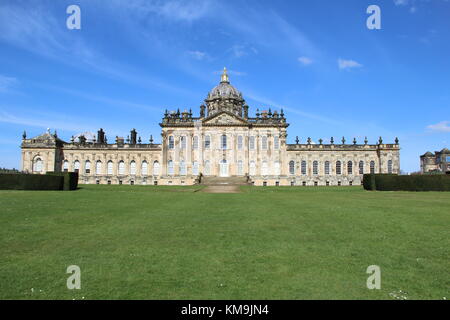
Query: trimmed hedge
(70, 179)
(388, 182)
(21, 181)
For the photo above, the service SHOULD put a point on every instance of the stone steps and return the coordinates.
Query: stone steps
(221, 181)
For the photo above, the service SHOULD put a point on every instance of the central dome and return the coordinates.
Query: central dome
(224, 90)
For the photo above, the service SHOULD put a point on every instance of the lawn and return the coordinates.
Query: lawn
(147, 242)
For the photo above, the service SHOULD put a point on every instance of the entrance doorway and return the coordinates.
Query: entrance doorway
(223, 168)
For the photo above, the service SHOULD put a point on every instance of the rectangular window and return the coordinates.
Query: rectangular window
(240, 139)
(252, 143)
(183, 142)
(223, 142)
(207, 142)
(264, 143)
(276, 142)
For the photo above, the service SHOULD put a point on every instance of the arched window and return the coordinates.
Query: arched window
(65, 166)
(327, 167)
(109, 167)
(156, 168)
(171, 142)
(252, 143)
(207, 168)
(276, 168)
(361, 167)
(37, 165)
(98, 167)
(195, 168)
(87, 166)
(303, 167)
(240, 142)
(207, 142)
(264, 169)
(264, 143)
(350, 167)
(182, 168)
(144, 168)
(170, 168)
(133, 167)
(195, 143)
(315, 167)
(291, 167)
(372, 167)
(276, 142)
(252, 168)
(390, 166)
(76, 166)
(338, 167)
(121, 168)
(223, 142)
(240, 168)
(183, 142)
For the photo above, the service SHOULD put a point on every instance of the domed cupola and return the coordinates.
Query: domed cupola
(224, 97)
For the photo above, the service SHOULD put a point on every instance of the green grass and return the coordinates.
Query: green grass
(146, 242)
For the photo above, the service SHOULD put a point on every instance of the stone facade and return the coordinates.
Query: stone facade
(223, 141)
(435, 162)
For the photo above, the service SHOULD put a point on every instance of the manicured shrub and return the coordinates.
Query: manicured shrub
(386, 182)
(70, 179)
(23, 181)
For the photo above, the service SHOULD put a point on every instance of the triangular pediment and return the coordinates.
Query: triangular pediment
(224, 118)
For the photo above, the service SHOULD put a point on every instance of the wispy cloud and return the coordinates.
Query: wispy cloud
(7, 83)
(305, 61)
(348, 64)
(443, 126)
(198, 55)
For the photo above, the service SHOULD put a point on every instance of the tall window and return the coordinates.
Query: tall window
(76, 166)
(207, 142)
(195, 143)
(195, 168)
(133, 167)
(264, 168)
(207, 168)
(291, 167)
(372, 167)
(315, 167)
(121, 168)
(98, 167)
(303, 167)
(264, 143)
(109, 167)
(87, 166)
(171, 142)
(276, 142)
(65, 166)
(350, 167)
(156, 168)
(390, 166)
(182, 168)
(240, 142)
(144, 168)
(37, 165)
(361, 167)
(327, 167)
(276, 168)
(252, 143)
(338, 167)
(183, 142)
(223, 142)
(170, 168)
(240, 168)
(252, 168)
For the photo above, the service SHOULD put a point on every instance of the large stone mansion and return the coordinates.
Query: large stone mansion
(223, 141)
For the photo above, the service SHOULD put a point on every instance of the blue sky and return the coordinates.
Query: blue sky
(133, 59)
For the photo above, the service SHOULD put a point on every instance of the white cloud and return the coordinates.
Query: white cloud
(443, 126)
(6, 83)
(198, 55)
(305, 61)
(401, 2)
(348, 64)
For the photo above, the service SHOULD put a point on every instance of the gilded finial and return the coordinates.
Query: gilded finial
(224, 77)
